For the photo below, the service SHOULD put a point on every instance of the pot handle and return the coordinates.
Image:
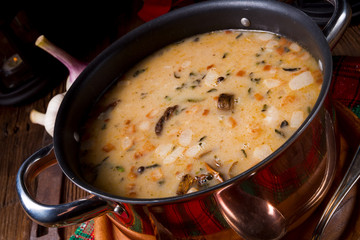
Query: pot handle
(338, 21)
(53, 215)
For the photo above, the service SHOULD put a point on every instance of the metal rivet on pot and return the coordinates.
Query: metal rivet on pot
(245, 22)
(119, 209)
(76, 137)
(320, 65)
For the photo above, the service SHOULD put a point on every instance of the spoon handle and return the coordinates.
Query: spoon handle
(350, 178)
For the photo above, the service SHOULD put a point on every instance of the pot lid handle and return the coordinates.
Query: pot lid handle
(338, 21)
(53, 215)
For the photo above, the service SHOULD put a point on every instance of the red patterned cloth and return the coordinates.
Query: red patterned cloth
(346, 82)
(154, 8)
(84, 232)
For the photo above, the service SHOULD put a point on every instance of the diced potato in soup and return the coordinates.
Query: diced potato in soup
(197, 113)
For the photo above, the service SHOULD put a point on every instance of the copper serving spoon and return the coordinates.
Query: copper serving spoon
(251, 217)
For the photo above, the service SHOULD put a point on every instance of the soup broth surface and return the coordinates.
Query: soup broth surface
(198, 112)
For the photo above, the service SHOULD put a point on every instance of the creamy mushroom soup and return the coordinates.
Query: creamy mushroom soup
(197, 113)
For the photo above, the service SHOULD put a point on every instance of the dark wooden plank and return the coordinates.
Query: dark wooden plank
(19, 139)
(349, 44)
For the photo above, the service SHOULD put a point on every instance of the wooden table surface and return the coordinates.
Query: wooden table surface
(19, 138)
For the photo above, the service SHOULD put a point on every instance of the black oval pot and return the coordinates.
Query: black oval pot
(291, 181)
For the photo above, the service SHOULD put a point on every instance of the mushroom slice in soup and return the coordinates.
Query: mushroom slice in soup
(165, 117)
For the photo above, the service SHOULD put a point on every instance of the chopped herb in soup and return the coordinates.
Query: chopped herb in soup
(197, 113)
